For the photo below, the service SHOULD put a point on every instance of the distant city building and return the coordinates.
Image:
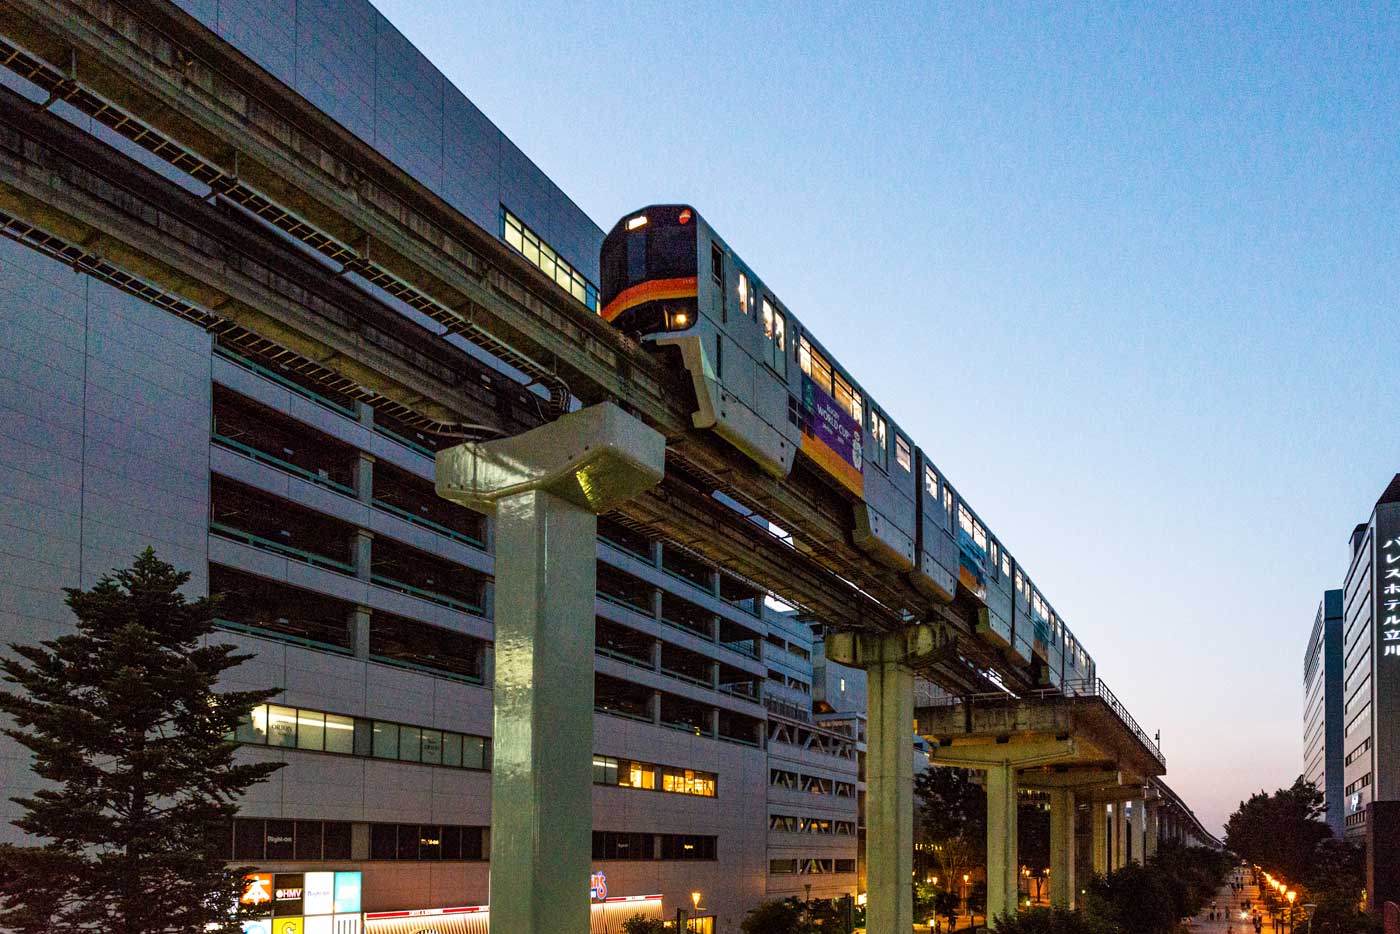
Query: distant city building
(1323, 754)
(1371, 636)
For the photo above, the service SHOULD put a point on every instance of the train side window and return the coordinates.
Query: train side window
(814, 365)
(948, 502)
(1005, 564)
(717, 275)
(902, 455)
(996, 558)
(879, 435)
(743, 292)
(773, 329)
(850, 400)
(931, 483)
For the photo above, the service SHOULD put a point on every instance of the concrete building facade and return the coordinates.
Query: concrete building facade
(1323, 754)
(365, 599)
(1371, 634)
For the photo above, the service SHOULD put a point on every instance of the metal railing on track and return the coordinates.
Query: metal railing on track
(1085, 687)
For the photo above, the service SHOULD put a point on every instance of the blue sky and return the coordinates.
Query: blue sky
(1127, 273)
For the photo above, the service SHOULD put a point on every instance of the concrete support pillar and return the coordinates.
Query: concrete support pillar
(1120, 834)
(1099, 823)
(364, 478)
(1139, 831)
(1003, 861)
(364, 557)
(545, 489)
(359, 631)
(889, 767)
(889, 795)
(1154, 830)
(1062, 883)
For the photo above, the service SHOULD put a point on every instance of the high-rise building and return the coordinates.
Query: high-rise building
(1371, 687)
(364, 598)
(1323, 754)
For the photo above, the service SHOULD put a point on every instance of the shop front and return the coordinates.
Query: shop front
(609, 912)
(303, 902)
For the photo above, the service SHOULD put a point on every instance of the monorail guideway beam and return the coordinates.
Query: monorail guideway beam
(546, 488)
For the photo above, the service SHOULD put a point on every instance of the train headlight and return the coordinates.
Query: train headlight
(639, 221)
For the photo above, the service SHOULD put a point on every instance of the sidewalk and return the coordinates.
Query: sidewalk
(1233, 918)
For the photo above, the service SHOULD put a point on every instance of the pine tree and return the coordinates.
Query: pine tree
(130, 737)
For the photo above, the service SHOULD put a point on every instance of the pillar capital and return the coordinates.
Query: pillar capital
(594, 458)
(906, 645)
(1017, 755)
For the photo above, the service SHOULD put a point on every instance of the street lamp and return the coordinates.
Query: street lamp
(1290, 895)
(1309, 909)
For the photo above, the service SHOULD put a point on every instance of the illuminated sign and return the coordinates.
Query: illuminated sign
(598, 886)
(347, 892)
(287, 898)
(257, 889)
(1388, 604)
(318, 895)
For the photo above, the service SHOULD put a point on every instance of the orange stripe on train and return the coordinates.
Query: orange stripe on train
(655, 290)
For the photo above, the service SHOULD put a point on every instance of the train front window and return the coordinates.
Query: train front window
(636, 256)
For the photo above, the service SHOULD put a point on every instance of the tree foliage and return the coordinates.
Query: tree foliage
(641, 924)
(1279, 831)
(1051, 921)
(129, 736)
(1135, 898)
(951, 817)
(779, 916)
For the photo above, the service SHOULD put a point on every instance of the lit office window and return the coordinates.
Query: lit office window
(529, 244)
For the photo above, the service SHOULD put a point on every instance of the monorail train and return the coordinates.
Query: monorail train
(768, 387)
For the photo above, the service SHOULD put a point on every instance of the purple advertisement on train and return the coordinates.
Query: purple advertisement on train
(830, 436)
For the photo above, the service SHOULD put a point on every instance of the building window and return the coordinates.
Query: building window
(425, 842)
(260, 840)
(782, 866)
(609, 844)
(530, 245)
(318, 731)
(688, 846)
(626, 773)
